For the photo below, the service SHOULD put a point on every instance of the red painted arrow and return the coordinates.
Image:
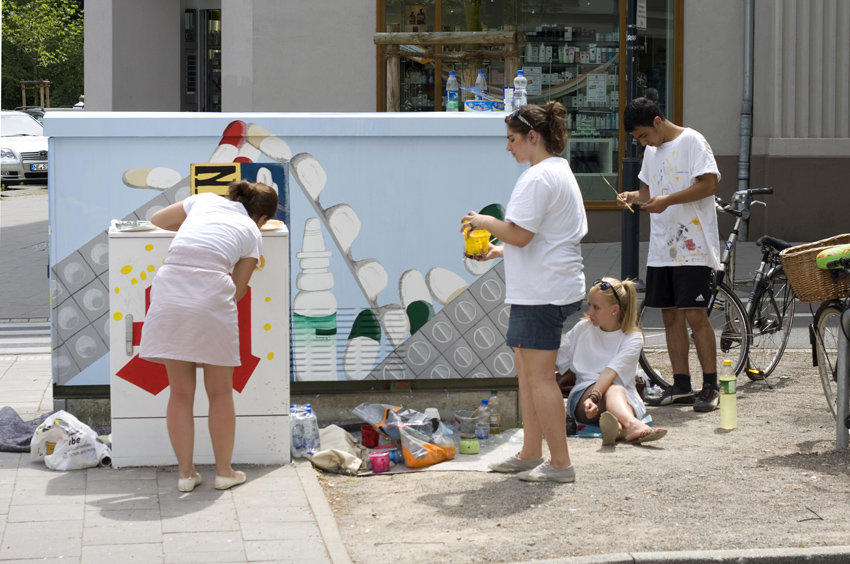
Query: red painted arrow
(153, 378)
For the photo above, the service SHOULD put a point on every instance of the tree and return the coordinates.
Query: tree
(42, 39)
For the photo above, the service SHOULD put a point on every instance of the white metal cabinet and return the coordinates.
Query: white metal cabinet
(139, 390)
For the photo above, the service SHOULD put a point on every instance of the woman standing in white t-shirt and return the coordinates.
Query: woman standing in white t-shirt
(193, 319)
(544, 224)
(602, 351)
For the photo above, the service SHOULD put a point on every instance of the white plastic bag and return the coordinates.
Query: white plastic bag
(65, 443)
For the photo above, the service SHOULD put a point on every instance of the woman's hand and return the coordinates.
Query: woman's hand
(493, 252)
(590, 409)
(472, 221)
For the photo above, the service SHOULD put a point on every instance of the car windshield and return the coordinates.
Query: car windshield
(20, 125)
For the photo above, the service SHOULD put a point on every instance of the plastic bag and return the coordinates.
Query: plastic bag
(65, 443)
(420, 437)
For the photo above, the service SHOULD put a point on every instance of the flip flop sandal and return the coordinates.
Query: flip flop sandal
(610, 428)
(652, 436)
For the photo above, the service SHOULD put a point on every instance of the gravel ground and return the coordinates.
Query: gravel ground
(774, 482)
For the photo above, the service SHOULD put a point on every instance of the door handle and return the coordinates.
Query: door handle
(128, 334)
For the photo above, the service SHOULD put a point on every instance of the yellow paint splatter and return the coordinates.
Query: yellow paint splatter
(143, 276)
(134, 281)
(117, 316)
(270, 356)
(268, 299)
(116, 289)
(695, 221)
(148, 247)
(267, 326)
(127, 269)
(150, 268)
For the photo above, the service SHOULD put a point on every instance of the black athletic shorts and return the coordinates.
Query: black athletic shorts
(683, 287)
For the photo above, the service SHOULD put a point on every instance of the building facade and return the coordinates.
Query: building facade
(318, 56)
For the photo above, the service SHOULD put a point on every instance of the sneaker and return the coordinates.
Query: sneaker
(707, 399)
(514, 464)
(670, 396)
(545, 473)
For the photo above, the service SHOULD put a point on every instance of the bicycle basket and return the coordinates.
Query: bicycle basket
(810, 282)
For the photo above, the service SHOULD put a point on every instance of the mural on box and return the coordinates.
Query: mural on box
(440, 327)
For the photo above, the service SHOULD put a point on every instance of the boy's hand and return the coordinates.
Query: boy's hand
(656, 205)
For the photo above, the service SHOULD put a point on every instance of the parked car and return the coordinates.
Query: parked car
(23, 155)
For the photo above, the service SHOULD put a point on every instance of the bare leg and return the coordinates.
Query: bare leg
(676, 333)
(614, 402)
(549, 414)
(179, 415)
(703, 338)
(532, 442)
(218, 381)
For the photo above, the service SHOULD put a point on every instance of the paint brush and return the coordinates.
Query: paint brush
(615, 191)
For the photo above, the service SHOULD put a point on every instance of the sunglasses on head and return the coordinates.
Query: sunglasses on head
(607, 286)
(520, 118)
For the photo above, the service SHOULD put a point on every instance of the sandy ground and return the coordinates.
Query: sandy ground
(774, 482)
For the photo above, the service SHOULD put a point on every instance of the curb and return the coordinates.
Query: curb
(322, 511)
(816, 555)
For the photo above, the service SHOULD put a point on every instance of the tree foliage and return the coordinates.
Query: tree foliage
(43, 39)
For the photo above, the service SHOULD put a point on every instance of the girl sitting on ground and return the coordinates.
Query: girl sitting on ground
(602, 350)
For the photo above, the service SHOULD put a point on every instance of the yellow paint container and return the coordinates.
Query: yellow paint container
(477, 243)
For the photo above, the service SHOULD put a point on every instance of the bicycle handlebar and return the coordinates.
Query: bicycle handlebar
(759, 191)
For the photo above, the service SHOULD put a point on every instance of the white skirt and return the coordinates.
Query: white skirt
(193, 315)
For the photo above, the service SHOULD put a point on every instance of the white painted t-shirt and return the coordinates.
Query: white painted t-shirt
(216, 223)
(683, 234)
(588, 351)
(546, 201)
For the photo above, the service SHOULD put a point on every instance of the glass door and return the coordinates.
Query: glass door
(201, 61)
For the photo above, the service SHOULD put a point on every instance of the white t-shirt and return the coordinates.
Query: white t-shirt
(588, 351)
(546, 201)
(683, 234)
(216, 223)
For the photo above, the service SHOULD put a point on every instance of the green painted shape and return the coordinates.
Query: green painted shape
(419, 313)
(497, 211)
(366, 325)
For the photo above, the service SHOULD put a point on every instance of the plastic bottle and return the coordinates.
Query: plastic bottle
(482, 421)
(481, 84)
(311, 431)
(298, 446)
(520, 96)
(451, 93)
(728, 397)
(495, 413)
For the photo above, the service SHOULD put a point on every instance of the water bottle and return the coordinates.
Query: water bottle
(451, 93)
(495, 413)
(311, 430)
(298, 446)
(728, 397)
(482, 421)
(481, 84)
(520, 96)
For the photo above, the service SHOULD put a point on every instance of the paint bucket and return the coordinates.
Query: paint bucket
(380, 462)
(369, 436)
(477, 243)
(391, 451)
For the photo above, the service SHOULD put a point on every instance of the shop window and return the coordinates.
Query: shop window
(570, 51)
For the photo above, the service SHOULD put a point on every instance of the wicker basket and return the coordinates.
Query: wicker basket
(811, 283)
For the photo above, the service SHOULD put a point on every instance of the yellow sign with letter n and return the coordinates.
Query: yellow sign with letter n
(214, 177)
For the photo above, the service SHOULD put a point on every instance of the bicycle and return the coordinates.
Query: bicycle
(753, 335)
(826, 331)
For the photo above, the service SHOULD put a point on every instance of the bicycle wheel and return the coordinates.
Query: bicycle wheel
(827, 327)
(770, 321)
(731, 336)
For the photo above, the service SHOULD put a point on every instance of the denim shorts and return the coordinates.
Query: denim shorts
(538, 327)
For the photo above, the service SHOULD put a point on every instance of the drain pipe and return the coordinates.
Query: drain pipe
(746, 133)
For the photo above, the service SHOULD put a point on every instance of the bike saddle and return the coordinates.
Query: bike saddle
(773, 242)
